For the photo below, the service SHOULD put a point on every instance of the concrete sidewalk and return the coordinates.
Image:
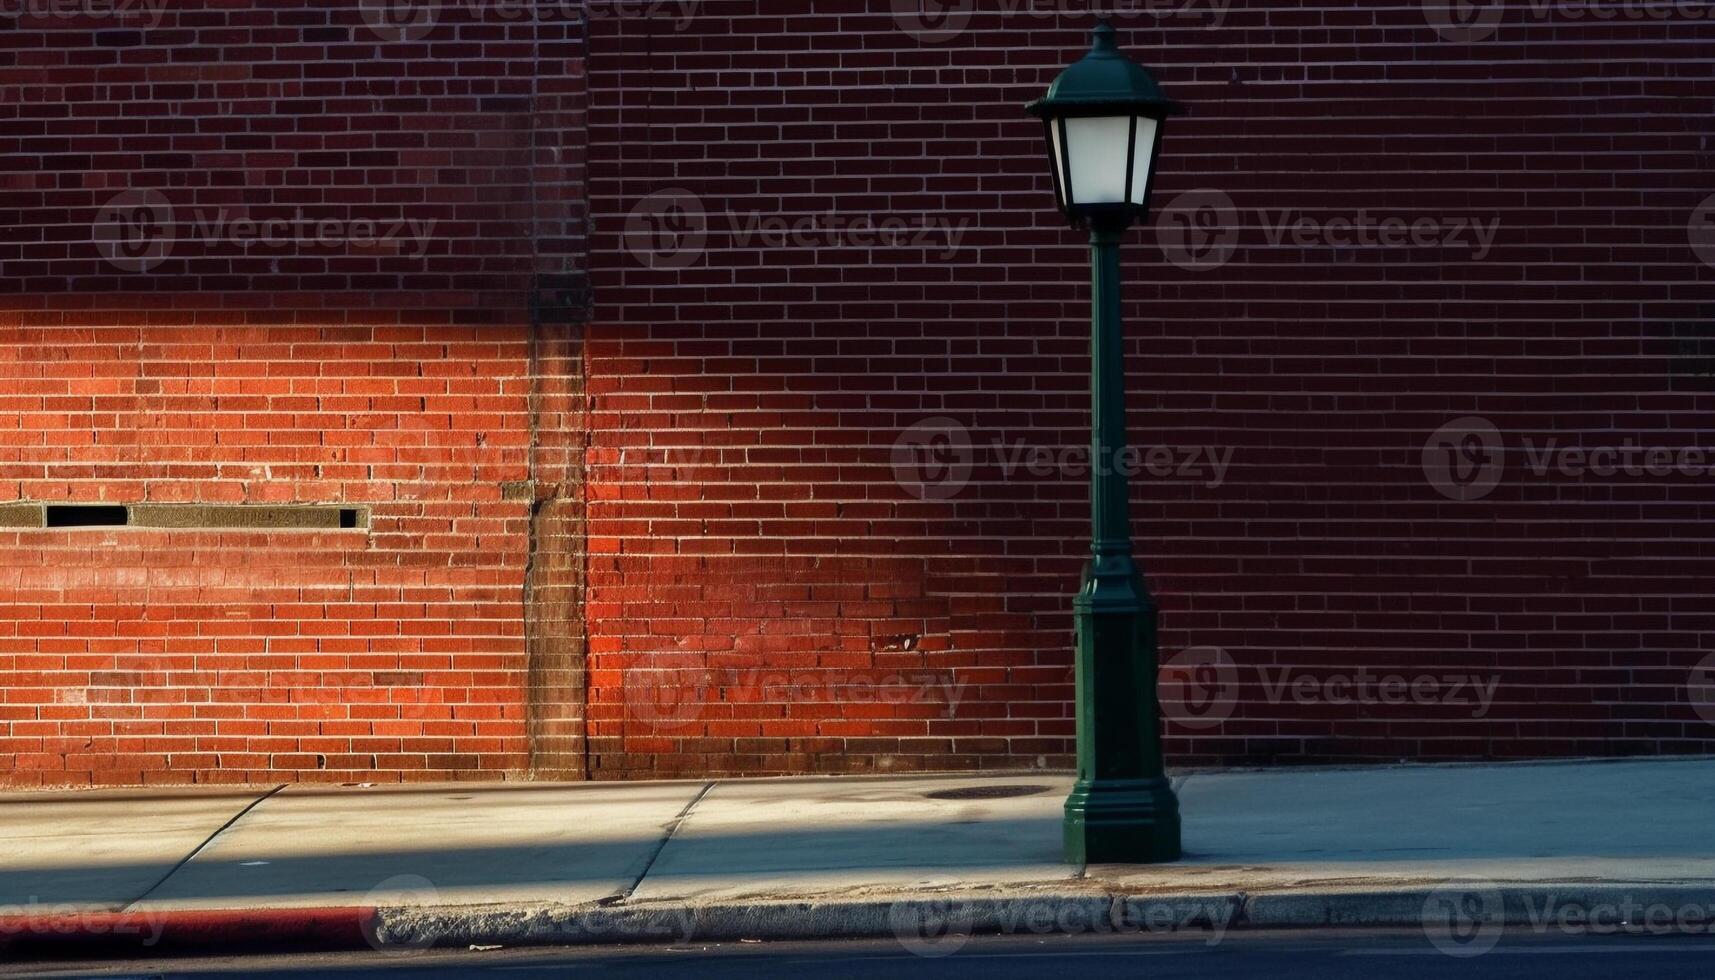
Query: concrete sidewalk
(840, 856)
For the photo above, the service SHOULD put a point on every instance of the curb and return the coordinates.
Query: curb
(928, 924)
(197, 931)
(908, 916)
(923, 921)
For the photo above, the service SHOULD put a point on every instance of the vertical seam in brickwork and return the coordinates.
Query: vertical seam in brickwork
(533, 415)
(556, 639)
(584, 407)
(583, 477)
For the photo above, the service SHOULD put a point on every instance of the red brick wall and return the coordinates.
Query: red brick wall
(291, 252)
(746, 395)
(711, 495)
(135, 655)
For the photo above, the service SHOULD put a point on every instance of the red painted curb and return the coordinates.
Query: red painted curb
(234, 931)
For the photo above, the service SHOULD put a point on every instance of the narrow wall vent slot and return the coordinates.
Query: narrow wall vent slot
(87, 515)
(213, 517)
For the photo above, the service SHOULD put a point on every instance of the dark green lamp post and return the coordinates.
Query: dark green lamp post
(1103, 118)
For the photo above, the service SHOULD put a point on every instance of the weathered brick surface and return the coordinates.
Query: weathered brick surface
(673, 541)
(768, 381)
(281, 146)
(135, 655)
(365, 226)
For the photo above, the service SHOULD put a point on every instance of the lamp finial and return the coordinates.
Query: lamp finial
(1104, 40)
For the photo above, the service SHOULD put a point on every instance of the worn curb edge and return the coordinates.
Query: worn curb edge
(198, 930)
(918, 919)
(914, 917)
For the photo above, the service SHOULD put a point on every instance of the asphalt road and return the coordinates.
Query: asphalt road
(1320, 955)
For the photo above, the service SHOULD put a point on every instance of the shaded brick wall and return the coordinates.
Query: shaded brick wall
(276, 147)
(749, 385)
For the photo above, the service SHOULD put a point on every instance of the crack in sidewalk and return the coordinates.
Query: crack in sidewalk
(188, 858)
(661, 845)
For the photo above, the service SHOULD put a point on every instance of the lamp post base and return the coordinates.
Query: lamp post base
(1122, 821)
(1122, 809)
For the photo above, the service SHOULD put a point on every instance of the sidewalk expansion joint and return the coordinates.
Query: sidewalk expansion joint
(661, 845)
(188, 858)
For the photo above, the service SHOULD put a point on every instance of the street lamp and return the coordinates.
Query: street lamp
(1103, 117)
